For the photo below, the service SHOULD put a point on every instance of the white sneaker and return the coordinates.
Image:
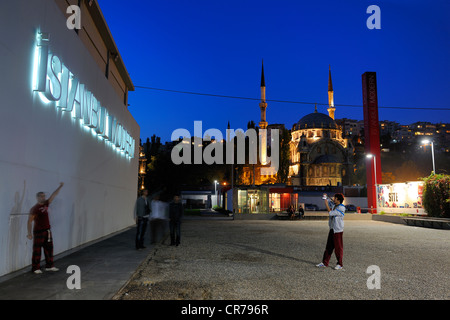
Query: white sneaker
(338, 267)
(51, 269)
(321, 265)
(38, 271)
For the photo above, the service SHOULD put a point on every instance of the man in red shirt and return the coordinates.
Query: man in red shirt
(42, 236)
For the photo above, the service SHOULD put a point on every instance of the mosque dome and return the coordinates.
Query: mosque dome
(316, 120)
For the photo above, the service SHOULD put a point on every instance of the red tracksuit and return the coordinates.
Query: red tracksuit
(41, 236)
(335, 243)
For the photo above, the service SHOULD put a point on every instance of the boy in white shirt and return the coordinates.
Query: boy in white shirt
(336, 225)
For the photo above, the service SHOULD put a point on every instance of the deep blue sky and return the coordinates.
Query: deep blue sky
(213, 46)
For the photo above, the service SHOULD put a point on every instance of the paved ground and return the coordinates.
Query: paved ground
(276, 260)
(225, 259)
(105, 267)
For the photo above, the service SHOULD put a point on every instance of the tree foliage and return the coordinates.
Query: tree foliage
(436, 195)
(284, 156)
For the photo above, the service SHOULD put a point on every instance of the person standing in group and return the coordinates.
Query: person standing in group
(42, 236)
(158, 217)
(141, 212)
(336, 225)
(175, 214)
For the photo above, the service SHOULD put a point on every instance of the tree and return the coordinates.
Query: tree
(436, 195)
(387, 177)
(408, 171)
(385, 140)
(358, 174)
(163, 174)
(284, 156)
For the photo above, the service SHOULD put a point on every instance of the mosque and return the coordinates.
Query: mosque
(319, 153)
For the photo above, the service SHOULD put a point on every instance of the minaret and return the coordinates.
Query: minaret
(263, 122)
(331, 109)
(263, 104)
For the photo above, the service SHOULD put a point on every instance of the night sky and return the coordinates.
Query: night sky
(216, 47)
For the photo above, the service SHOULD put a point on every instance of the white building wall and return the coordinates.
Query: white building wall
(41, 146)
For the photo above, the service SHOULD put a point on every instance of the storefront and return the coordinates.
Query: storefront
(64, 118)
(251, 199)
(281, 198)
(262, 199)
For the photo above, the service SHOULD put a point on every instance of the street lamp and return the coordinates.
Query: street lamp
(369, 156)
(432, 152)
(215, 191)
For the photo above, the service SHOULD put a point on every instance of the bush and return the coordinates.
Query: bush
(221, 210)
(192, 211)
(436, 195)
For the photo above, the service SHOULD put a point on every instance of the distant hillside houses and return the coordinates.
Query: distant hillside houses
(398, 133)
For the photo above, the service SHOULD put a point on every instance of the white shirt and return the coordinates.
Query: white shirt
(336, 220)
(160, 210)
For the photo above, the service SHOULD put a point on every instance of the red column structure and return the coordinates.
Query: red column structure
(371, 137)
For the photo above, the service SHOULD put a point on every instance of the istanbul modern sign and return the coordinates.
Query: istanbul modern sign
(56, 83)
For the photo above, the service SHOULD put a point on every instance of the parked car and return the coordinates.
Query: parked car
(311, 207)
(350, 208)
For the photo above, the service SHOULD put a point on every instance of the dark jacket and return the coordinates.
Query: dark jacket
(142, 207)
(175, 211)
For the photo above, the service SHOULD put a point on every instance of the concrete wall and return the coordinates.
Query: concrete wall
(419, 211)
(42, 145)
(255, 216)
(388, 218)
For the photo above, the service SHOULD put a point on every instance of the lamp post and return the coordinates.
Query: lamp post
(369, 156)
(215, 192)
(432, 153)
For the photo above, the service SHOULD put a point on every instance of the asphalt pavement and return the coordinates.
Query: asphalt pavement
(222, 259)
(259, 260)
(104, 266)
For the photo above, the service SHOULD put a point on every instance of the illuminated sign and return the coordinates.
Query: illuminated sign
(56, 83)
(400, 195)
(393, 197)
